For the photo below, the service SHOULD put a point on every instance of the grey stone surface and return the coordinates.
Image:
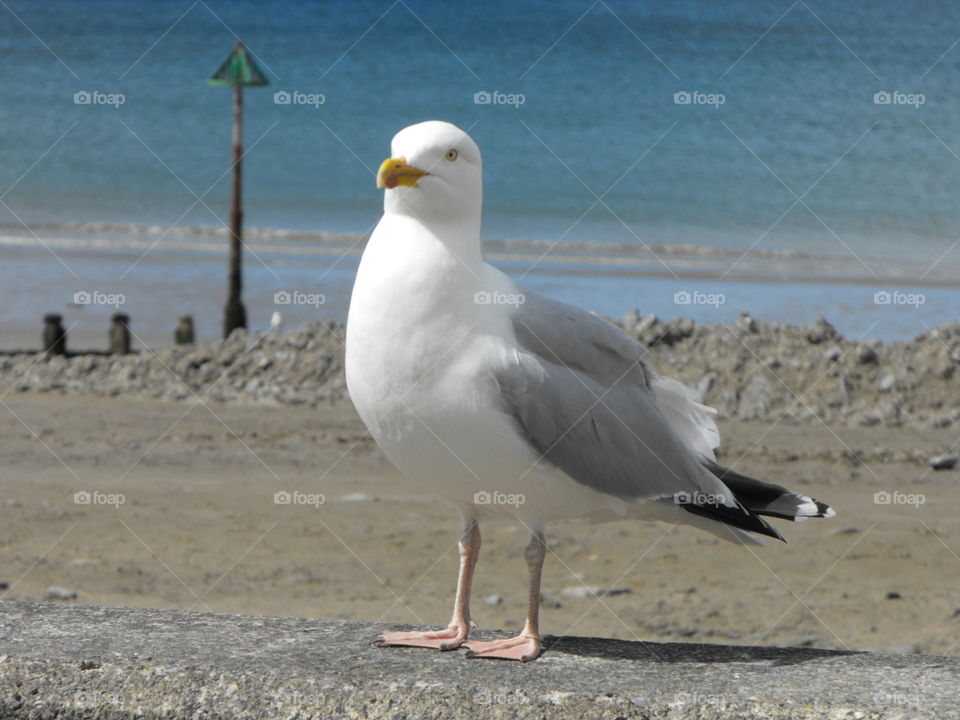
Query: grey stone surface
(72, 661)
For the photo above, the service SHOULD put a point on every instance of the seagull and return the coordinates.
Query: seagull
(512, 406)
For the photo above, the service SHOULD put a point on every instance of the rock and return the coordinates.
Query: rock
(887, 382)
(947, 461)
(866, 355)
(584, 592)
(355, 497)
(894, 595)
(630, 321)
(820, 331)
(493, 600)
(704, 386)
(833, 353)
(746, 322)
(755, 398)
(56, 592)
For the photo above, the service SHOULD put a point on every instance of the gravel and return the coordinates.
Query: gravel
(749, 370)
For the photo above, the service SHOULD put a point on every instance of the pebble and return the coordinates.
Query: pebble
(306, 366)
(493, 600)
(584, 592)
(56, 592)
(866, 355)
(894, 595)
(947, 461)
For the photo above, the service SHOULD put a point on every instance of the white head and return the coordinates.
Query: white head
(434, 174)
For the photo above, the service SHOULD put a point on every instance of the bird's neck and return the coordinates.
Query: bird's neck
(460, 237)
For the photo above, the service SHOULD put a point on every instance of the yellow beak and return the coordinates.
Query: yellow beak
(395, 171)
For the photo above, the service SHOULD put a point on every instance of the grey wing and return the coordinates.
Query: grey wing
(585, 400)
(574, 338)
(583, 396)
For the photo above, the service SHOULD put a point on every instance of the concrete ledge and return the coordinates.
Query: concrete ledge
(69, 661)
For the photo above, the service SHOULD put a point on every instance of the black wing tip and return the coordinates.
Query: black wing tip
(738, 517)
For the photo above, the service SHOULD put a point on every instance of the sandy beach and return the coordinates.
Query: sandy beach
(198, 527)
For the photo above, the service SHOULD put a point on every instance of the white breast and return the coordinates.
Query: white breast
(418, 365)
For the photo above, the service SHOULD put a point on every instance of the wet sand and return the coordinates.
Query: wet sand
(199, 529)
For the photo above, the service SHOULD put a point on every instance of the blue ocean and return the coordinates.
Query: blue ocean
(686, 159)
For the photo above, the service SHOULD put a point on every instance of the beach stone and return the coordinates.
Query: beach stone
(866, 355)
(833, 353)
(584, 592)
(493, 600)
(57, 592)
(748, 323)
(947, 461)
(820, 331)
(887, 382)
(704, 386)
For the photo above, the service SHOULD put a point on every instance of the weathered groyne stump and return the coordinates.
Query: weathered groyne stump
(54, 336)
(184, 334)
(70, 662)
(119, 334)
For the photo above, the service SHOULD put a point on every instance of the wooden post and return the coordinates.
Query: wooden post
(54, 336)
(184, 334)
(235, 315)
(120, 334)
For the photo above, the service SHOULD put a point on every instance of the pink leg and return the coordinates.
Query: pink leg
(451, 637)
(525, 646)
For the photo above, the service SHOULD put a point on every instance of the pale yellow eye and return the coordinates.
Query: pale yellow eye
(451, 155)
